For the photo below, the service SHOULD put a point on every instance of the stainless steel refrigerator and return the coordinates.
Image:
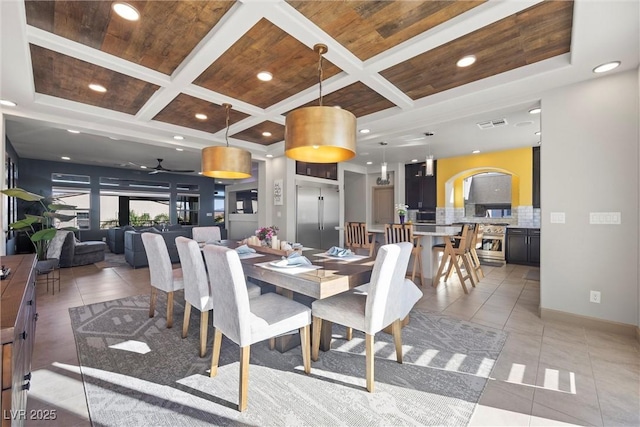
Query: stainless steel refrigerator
(317, 216)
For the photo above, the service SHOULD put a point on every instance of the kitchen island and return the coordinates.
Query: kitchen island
(430, 234)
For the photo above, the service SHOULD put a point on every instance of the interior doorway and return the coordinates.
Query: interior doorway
(382, 208)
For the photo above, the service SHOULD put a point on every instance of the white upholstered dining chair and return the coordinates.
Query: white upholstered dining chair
(246, 321)
(197, 288)
(161, 273)
(206, 234)
(386, 300)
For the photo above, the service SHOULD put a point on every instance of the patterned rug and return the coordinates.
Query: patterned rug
(112, 260)
(137, 372)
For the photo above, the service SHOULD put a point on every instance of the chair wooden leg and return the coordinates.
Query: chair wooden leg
(396, 328)
(369, 360)
(460, 276)
(204, 328)
(349, 334)
(215, 357)
(244, 377)
(315, 342)
(446, 257)
(185, 321)
(419, 258)
(152, 302)
(468, 265)
(305, 343)
(170, 309)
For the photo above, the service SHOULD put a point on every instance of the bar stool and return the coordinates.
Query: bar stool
(357, 237)
(397, 233)
(457, 255)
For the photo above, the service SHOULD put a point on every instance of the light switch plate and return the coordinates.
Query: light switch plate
(557, 218)
(606, 218)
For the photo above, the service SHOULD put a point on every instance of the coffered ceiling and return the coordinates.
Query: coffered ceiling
(391, 63)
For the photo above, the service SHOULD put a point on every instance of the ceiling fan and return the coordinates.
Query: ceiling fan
(161, 169)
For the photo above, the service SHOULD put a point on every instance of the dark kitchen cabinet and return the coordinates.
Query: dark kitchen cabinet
(318, 170)
(536, 177)
(523, 246)
(420, 190)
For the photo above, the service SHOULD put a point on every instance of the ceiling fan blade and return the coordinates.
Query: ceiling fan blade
(178, 170)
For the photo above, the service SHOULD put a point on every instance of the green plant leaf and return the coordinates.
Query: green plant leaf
(46, 234)
(24, 223)
(60, 207)
(21, 194)
(61, 217)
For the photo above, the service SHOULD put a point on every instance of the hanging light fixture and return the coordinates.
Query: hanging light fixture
(320, 134)
(226, 162)
(383, 166)
(429, 163)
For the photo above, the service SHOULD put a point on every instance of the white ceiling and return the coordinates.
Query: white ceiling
(37, 128)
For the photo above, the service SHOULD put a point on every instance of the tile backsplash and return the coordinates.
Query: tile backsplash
(523, 216)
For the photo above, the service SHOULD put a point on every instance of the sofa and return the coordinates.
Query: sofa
(75, 252)
(136, 256)
(115, 238)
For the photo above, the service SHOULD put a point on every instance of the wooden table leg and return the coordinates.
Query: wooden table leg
(325, 336)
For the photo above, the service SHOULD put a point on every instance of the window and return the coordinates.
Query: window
(78, 197)
(64, 178)
(188, 206)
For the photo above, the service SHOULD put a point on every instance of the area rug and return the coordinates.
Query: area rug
(112, 260)
(136, 372)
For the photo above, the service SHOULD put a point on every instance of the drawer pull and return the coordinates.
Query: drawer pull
(30, 302)
(27, 377)
(35, 317)
(26, 386)
(24, 335)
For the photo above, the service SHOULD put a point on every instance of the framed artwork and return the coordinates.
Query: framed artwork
(278, 192)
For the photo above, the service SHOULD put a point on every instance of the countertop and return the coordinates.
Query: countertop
(427, 230)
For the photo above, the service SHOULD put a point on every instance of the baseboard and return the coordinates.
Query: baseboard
(591, 322)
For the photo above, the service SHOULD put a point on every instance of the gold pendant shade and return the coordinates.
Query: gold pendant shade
(226, 162)
(320, 135)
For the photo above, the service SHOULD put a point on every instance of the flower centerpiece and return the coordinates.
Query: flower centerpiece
(265, 234)
(402, 212)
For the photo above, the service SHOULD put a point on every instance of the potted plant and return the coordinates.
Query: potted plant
(40, 228)
(402, 212)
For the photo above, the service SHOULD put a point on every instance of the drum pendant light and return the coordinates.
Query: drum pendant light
(320, 134)
(226, 162)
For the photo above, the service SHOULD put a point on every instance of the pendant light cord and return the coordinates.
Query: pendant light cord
(320, 74)
(226, 133)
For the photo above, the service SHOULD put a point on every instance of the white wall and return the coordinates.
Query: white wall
(589, 163)
(3, 236)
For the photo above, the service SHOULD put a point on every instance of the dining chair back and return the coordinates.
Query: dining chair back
(386, 300)
(244, 323)
(197, 290)
(206, 234)
(357, 237)
(162, 275)
(398, 233)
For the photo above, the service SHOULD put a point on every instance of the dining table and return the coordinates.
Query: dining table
(328, 275)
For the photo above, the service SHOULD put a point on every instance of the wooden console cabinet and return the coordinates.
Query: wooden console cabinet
(18, 329)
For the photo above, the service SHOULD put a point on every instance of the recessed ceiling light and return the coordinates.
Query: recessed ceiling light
(475, 151)
(126, 11)
(603, 68)
(536, 110)
(365, 130)
(265, 76)
(266, 133)
(369, 163)
(465, 61)
(538, 133)
(201, 116)
(114, 138)
(73, 131)
(142, 167)
(7, 103)
(414, 160)
(98, 88)
(179, 149)
(178, 137)
(199, 173)
(269, 156)
(65, 158)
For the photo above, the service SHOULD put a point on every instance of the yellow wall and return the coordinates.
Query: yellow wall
(518, 163)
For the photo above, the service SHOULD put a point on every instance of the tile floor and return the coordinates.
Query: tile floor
(548, 373)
